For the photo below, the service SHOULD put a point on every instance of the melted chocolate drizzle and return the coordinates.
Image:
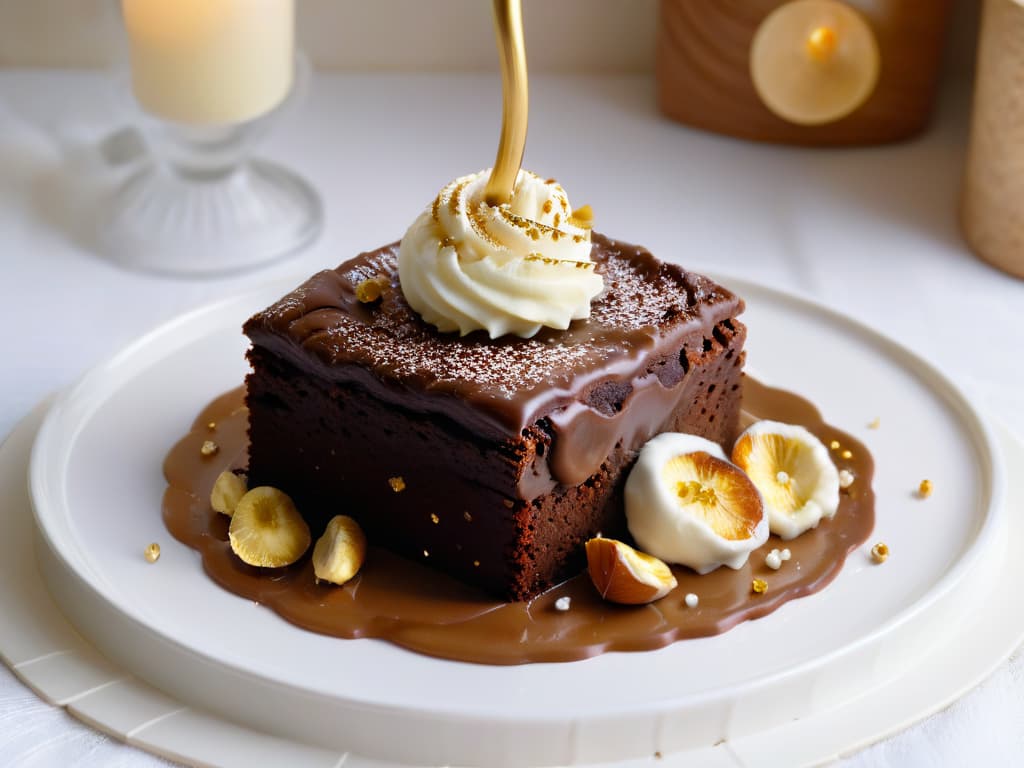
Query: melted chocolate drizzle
(642, 331)
(415, 607)
(495, 386)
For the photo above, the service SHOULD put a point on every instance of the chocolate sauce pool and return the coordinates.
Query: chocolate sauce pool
(415, 607)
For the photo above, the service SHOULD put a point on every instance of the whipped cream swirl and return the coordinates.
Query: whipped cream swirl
(465, 265)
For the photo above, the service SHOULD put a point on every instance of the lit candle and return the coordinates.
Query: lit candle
(210, 61)
(814, 61)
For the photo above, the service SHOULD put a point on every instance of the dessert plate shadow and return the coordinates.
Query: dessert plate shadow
(95, 485)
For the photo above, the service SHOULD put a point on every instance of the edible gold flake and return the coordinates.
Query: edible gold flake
(759, 586)
(453, 201)
(875, 423)
(880, 552)
(152, 552)
(847, 454)
(582, 217)
(211, 425)
(434, 518)
(368, 291)
(397, 484)
(209, 448)
(924, 490)
(469, 517)
(834, 445)
(552, 262)
(476, 563)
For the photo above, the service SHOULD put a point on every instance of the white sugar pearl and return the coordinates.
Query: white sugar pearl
(846, 478)
(782, 478)
(773, 560)
(691, 600)
(562, 603)
(785, 554)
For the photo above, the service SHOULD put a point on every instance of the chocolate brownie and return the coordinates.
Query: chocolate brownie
(492, 460)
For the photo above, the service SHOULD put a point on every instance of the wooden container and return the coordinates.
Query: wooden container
(703, 69)
(992, 210)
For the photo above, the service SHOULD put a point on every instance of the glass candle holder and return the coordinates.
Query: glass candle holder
(212, 77)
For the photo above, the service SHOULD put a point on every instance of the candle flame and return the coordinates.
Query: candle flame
(821, 43)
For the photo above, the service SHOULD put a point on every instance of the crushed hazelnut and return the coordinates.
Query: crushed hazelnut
(397, 484)
(846, 478)
(476, 563)
(209, 448)
(785, 554)
(759, 586)
(152, 552)
(773, 560)
(924, 490)
(369, 290)
(468, 517)
(434, 518)
(880, 552)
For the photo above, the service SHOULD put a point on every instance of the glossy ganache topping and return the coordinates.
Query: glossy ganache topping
(513, 268)
(493, 387)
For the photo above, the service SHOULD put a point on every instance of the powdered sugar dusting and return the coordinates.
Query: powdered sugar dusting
(642, 297)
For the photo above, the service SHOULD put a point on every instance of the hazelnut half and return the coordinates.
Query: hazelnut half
(623, 575)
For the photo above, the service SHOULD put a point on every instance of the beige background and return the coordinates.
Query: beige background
(395, 35)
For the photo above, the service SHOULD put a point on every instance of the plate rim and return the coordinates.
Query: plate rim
(1007, 636)
(990, 464)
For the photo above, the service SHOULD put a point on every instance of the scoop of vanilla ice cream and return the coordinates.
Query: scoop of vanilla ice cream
(514, 268)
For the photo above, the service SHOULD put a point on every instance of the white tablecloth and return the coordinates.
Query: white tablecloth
(871, 232)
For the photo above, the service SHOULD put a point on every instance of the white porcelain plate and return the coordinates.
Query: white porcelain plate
(96, 487)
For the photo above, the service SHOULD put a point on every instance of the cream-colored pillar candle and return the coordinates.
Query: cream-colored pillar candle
(210, 61)
(992, 211)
